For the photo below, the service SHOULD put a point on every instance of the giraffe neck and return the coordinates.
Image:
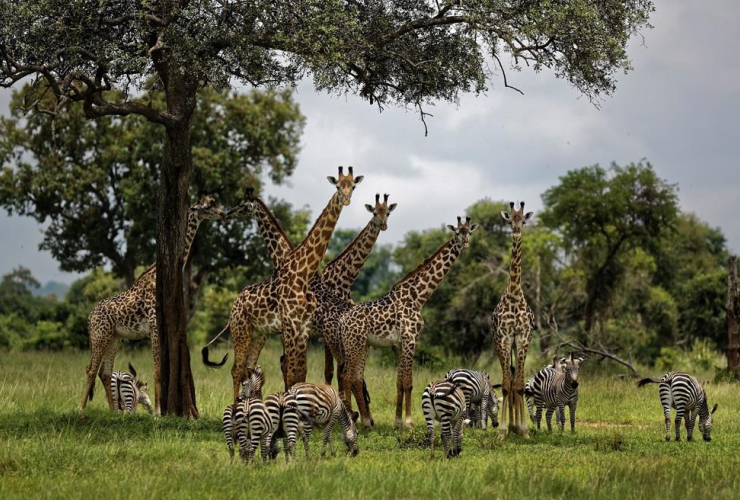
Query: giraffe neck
(309, 254)
(514, 288)
(278, 243)
(192, 228)
(422, 281)
(340, 273)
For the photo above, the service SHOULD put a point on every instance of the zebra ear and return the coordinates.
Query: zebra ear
(131, 370)
(501, 400)
(714, 408)
(355, 416)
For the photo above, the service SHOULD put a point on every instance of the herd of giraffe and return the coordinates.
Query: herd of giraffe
(297, 302)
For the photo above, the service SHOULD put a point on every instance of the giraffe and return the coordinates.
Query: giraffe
(395, 320)
(512, 323)
(282, 301)
(332, 287)
(132, 315)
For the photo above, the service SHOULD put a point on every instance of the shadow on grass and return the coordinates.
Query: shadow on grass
(103, 426)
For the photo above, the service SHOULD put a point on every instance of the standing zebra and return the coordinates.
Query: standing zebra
(253, 428)
(283, 410)
(128, 391)
(321, 405)
(555, 366)
(553, 388)
(478, 391)
(445, 402)
(250, 387)
(684, 393)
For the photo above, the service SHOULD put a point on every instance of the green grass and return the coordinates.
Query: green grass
(617, 452)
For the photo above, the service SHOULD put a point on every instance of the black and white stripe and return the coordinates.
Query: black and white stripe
(128, 392)
(252, 386)
(553, 388)
(686, 394)
(445, 402)
(253, 427)
(477, 389)
(285, 418)
(320, 405)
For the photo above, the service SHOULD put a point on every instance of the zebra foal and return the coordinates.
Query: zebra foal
(445, 402)
(252, 386)
(480, 400)
(553, 388)
(128, 391)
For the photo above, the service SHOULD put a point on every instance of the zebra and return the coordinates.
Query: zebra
(128, 391)
(554, 388)
(478, 391)
(444, 401)
(250, 387)
(253, 428)
(283, 410)
(477, 418)
(686, 394)
(529, 389)
(321, 405)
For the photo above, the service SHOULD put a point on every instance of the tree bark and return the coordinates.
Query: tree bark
(177, 387)
(733, 328)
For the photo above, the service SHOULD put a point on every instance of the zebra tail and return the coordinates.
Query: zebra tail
(131, 370)
(453, 389)
(118, 390)
(204, 352)
(646, 381)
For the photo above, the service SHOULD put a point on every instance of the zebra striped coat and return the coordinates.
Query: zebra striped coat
(478, 391)
(553, 388)
(128, 391)
(250, 387)
(684, 393)
(445, 402)
(320, 405)
(285, 418)
(253, 428)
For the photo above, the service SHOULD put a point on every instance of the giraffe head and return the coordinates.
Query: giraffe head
(705, 426)
(206, 208)
(245, 208)
(345, 184)
(381, 211)
(516, 218)
(463, 231)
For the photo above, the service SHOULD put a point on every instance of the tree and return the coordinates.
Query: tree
(404, 53)
(95, 185)
(602, 215)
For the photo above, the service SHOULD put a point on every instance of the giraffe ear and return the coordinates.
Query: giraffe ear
(359, 179)
(473, 227)
(528, 215)
(452, 228)
(370, 208)
(332, 179)
(392, 207)
(506, 216)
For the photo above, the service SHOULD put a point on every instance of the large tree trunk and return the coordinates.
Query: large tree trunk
(733, 329)
(177, 388)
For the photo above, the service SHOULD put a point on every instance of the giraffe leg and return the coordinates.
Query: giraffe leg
(295, 342)
(255, 348)
(328, 364)
(357, 376)
(157, 355)
(503, 352)
(241, 336)
(106, 369)
(100, 338)
(522, 345)
(405, 372)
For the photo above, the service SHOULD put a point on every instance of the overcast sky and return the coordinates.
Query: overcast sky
(679, 109)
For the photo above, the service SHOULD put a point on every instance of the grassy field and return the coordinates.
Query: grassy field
(618, 450)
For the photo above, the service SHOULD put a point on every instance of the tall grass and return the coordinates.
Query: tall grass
(618, 450)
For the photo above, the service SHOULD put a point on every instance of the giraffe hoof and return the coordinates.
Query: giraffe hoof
(81, 417)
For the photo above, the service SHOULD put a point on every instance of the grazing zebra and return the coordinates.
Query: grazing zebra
(127, 391)
(686, 394)
(445, 402)
(477, 418)
(478, 390)
(250, 387)
(321, 405)
(553, 388)
(285, 418)
(253, 428)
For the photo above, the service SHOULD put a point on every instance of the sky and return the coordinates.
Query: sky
(679, 109)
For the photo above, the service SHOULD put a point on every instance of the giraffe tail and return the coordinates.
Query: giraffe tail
(646, 381)
(92, 391)
(204, 352)
(365, 393)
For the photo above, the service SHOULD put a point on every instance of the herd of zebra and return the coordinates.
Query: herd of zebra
(463, 397)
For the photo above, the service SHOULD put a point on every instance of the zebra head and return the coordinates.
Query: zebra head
(143, 397)
(705, 425)
(492, 409)
(349, 431)
(252, 387)
(570, 366)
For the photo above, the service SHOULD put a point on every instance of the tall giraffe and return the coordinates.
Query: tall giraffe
(282, 301)
(132, 315)
(332, 287)
(395, 320)
(512, 323)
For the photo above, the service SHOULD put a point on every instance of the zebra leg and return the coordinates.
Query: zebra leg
(667, 414)
(265, 447)
(307, 428)
(690, 421)
(459, 428)
(483, 410)
(538, 415)
(561, 416)
(446, 436)
(548, 417)
(242, 438)
(573, 405)
(327, 437)
(679, 416)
